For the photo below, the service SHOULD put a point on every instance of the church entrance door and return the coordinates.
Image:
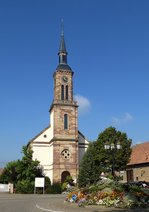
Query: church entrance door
(64, 176)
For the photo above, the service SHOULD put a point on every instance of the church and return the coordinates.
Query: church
(60, 147)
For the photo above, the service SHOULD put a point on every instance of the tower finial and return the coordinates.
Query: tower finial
(62, 27)
(62, 41)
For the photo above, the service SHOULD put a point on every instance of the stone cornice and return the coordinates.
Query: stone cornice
(63, 71)
(63, 139)
(63, 103)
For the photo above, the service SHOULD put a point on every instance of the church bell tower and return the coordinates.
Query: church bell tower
(64, 120)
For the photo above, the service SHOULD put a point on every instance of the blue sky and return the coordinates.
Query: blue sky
(108, 46)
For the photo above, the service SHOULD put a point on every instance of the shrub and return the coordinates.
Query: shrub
(116, 186)
(25, 187)
(56, 188)
(69, 180)
(94, 188)
(47, 181)
(134, 188)
(130, 201)
(64, 186)
(47, 185)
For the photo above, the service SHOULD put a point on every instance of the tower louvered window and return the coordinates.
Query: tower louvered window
(65, 121)
(66, 92)
(62, 92)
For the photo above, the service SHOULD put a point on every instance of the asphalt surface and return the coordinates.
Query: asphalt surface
(51, 203)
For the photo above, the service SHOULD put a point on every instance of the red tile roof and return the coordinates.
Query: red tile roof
(140, 154)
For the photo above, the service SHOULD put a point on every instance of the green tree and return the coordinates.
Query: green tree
(120, 156)
(28, 168)
(89, 168)
(9, 174)
(97, 159)
(22, 172)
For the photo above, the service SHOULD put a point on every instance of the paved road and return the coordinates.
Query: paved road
(51, 203)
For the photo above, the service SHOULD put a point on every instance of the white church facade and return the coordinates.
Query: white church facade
(60, 147)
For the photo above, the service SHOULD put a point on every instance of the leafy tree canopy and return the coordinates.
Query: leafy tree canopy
(97, 159)
(9, 174)
(22, 172)
(121, 156)
(89, 168)
(28, 168)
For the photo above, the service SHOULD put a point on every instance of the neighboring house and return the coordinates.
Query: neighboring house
(60, 147)
(138, 167)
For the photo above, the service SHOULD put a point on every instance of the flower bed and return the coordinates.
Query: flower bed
(110, 195)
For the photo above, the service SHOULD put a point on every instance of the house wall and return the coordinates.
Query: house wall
(140, 172)
(124, 176)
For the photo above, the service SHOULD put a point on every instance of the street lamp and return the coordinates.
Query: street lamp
(112, 147)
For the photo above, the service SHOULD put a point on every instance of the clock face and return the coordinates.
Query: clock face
(65, 79)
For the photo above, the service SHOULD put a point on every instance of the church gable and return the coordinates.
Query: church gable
(42, 137)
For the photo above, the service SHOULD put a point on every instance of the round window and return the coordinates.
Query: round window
(65, 154)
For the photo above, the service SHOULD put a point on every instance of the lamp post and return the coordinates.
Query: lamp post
(112, 147)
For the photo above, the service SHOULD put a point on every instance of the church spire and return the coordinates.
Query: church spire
(62, 48)
(62, 52)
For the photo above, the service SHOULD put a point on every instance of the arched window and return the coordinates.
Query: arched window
(62, 92)
(65, 121)
(66, 92)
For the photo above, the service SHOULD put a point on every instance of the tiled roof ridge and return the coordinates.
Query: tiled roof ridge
(140, 143)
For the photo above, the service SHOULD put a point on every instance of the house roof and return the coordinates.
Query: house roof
(140, 154)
